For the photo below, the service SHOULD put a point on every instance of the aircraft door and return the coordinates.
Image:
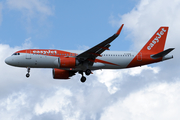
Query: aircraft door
(28, 54)
(139, 56)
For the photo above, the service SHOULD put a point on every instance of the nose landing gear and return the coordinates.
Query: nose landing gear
(28, 70)
(83, 79)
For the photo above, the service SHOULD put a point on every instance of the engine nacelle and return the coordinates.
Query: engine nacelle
(69, 62)
(62, 74)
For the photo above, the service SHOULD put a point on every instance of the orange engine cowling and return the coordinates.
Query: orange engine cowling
(62, 74)
(67, 62)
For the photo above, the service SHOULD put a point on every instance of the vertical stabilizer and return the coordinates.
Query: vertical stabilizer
(154, 46)
(157, 42)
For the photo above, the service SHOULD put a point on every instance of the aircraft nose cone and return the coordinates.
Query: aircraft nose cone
(8, 61)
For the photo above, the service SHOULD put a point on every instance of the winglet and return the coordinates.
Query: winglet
(119, 31)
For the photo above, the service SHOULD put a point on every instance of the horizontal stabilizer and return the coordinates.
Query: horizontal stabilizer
(162, 54)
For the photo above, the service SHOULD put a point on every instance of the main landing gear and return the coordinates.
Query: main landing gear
(87, 72)
(83, 79)
(28, 70)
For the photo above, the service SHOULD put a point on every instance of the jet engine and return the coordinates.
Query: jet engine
(62, 74)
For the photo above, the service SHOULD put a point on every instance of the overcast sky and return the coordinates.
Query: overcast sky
(143, 93)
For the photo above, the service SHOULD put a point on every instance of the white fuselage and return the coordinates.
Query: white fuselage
(109, 60)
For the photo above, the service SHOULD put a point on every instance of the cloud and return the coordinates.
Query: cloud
(146, 17)
(157, 101)
(82, 47)
(34, 13)
(27, 43)
(31, 8)
(12, 105)
(114, 78)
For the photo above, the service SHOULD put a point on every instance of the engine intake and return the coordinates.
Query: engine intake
(62, 74)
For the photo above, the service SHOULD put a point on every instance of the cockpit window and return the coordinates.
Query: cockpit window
(16, 54)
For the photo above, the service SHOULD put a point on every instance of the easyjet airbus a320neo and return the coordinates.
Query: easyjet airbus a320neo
(65, 64)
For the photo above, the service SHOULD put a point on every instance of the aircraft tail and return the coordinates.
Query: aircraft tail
(157, 42)
(153, 51)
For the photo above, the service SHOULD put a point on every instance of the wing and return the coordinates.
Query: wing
(91, 54)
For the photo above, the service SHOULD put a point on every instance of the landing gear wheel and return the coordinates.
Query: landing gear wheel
(88, 72)
(27, 75)
(83, 79)
(28, 71)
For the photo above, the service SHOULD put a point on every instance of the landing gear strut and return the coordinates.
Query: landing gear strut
(87, 72)
(83, 79)
(28, 70)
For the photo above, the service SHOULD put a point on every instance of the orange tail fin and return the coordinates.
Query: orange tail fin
(157, 42)
(154, 46)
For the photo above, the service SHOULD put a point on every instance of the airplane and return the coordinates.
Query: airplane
(66, 64)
